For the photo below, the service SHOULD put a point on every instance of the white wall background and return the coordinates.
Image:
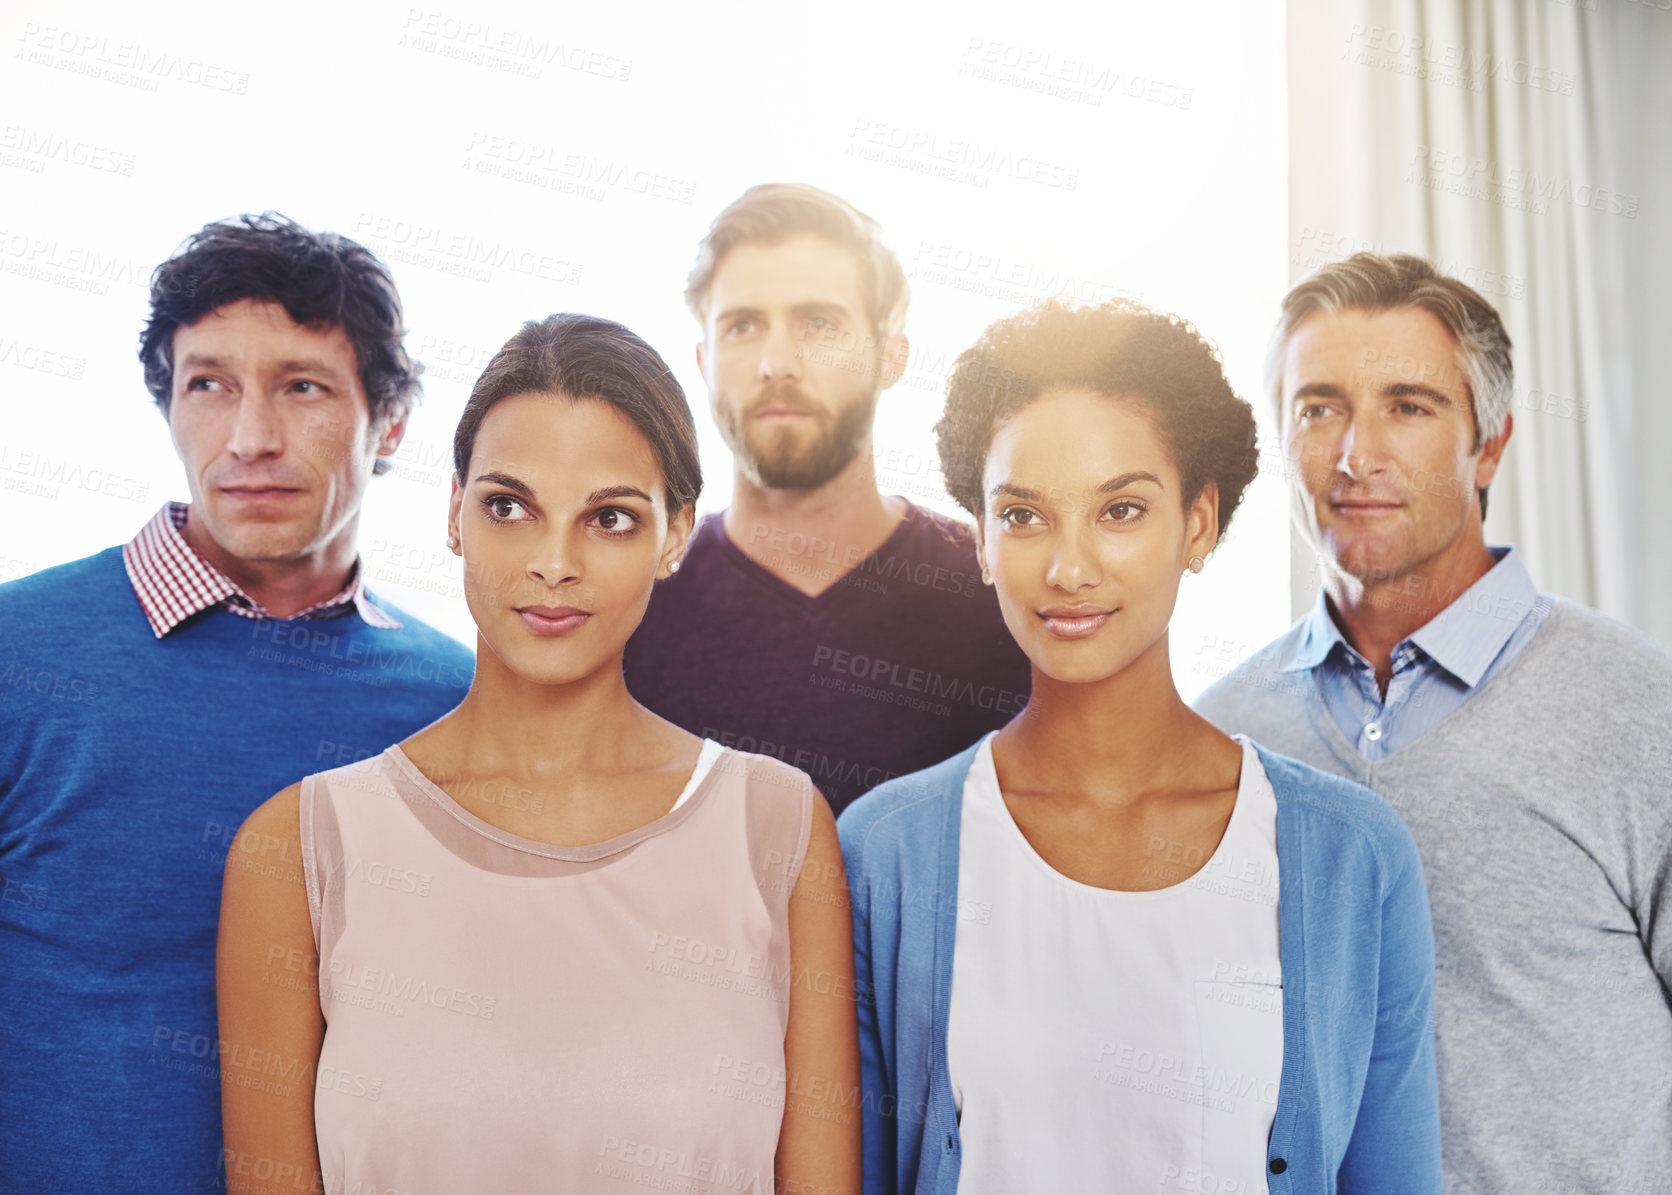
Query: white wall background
(510, 160)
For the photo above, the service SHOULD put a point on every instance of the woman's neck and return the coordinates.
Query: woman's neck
(508, 725)
(1109, 740)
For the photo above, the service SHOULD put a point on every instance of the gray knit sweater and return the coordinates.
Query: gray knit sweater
(1543, 812)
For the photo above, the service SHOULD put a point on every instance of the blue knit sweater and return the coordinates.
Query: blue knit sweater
(127, 764)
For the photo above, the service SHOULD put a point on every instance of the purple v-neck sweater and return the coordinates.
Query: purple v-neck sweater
(902, 662)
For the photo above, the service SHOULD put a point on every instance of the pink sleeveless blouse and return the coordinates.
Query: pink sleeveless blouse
(503, 1015)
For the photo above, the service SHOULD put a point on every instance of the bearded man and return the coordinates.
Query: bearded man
(845, 631)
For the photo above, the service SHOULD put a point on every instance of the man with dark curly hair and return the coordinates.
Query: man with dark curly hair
(817, 619)
(156, 692)
(1173, 953)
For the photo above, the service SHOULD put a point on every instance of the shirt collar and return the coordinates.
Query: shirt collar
(173, 582)
(1467, 635)
(1318, 637)
(1464, 638)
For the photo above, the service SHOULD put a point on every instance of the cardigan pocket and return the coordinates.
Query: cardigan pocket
(1241, 1030)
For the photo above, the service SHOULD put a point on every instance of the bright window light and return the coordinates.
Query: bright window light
(512, 160)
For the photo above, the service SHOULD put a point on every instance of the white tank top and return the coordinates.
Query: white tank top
(1115, 1041)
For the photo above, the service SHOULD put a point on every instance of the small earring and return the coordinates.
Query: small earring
(452, 541)
(1197, 564)
(673, 568)
(986, 577)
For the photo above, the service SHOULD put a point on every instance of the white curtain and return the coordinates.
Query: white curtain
(1526, 147)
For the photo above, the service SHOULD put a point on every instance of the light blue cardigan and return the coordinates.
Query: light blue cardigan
(1357, 1105)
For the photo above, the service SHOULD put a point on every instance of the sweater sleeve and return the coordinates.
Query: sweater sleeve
(877, 1099)
(1655, 915)
(1395, 1144)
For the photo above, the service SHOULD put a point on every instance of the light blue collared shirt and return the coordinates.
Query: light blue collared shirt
(1435, 670)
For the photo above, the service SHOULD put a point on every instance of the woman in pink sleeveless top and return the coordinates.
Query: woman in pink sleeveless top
(550, 942)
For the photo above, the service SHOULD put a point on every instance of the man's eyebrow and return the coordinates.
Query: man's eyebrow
(293, 365)
(1391, 390)
(1412, 390)
(819, 306)
(306, 365)
(508, 482)
(799, 310)
(1317, 390)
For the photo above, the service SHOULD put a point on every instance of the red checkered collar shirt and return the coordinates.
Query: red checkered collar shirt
(173, 582)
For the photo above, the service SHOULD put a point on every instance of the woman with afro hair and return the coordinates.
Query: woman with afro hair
(1107, 947)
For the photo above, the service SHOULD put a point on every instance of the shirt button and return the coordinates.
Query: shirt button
(1278, 1165)
(1373, 731)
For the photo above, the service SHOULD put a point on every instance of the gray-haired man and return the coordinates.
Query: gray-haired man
(1522, 737)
